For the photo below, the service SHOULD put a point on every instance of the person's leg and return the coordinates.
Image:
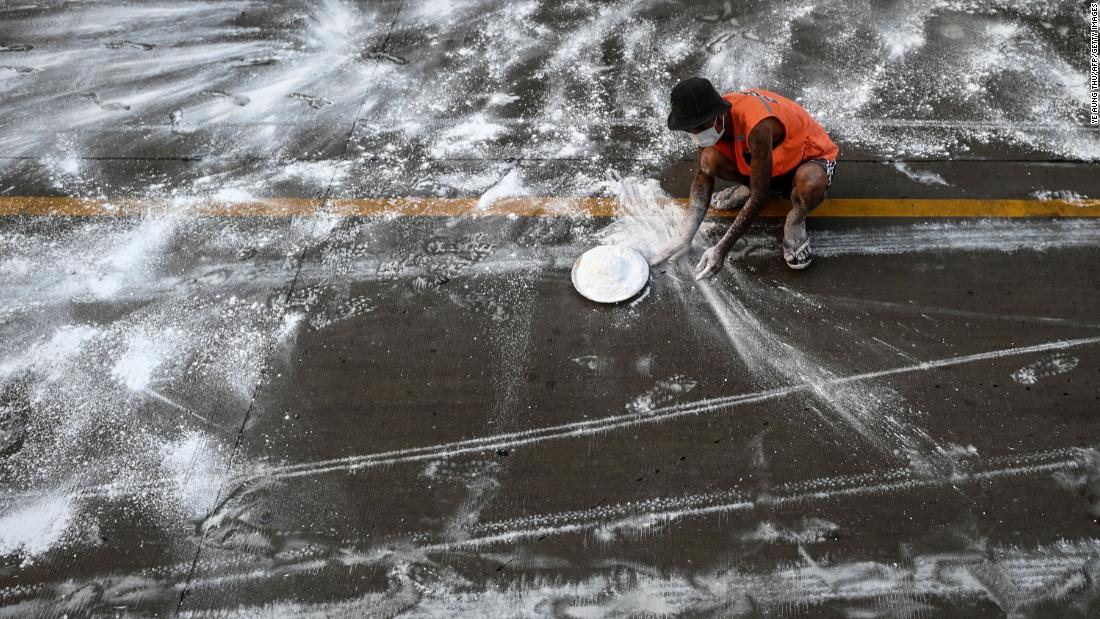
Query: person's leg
(811, 179)
(736, 196)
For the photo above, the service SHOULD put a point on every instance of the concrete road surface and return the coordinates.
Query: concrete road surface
(287, 326)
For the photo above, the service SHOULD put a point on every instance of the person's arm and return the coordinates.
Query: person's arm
(702, 187)
(760, 173)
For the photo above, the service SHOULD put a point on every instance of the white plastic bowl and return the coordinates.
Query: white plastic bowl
(610, 273)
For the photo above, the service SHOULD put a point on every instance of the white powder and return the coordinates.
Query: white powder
(500, 98)
(316, 173)
(33, 528)
(135, 368)
(610, 273)
(901, 40)
(511, 186)
(809, 531)
(467, 136)
(927, 178)
(233, 195)
(51, 356)
(68, 167)
(193, 465)
(438, 11)
(647, 219)
(1064, 195)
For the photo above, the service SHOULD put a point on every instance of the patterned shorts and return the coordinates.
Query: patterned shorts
(828, 164)
(781, 185)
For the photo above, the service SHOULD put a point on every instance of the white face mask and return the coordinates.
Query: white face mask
(709, 136)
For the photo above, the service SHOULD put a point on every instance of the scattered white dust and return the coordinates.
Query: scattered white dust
(598, 425)
(1045, 368)
(594, 363)
(322, 54)
(647, 219)
(192, 463)
(134, 368)
(466, 137)
(871, 413)
(317, 174)
(1063, 195)
(809, 530)
(51, 356)
(900, 41)
(33, 527)
(663, 393)
(924, 177)
(233, 195)
(501, 98)
(510, 186)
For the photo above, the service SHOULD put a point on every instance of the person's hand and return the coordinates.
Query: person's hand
(711, 262)
(672, 252)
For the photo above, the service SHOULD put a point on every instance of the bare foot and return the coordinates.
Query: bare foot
(731, 198)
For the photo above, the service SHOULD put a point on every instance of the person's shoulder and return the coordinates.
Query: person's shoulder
(733, 98)
(762, 92)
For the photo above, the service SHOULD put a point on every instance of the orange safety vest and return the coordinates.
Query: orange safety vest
(805, 138)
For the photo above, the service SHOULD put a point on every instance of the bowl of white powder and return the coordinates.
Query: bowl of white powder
(610, 273)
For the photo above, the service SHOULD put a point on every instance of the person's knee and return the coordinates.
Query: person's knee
(810, 182)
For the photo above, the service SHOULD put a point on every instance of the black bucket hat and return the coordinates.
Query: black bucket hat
(694, 102)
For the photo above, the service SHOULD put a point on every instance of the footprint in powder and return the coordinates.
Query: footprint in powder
(239, 100)
(120, 44)
(110, 106)
(314, 102)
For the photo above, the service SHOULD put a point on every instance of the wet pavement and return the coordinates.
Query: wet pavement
(416, 415)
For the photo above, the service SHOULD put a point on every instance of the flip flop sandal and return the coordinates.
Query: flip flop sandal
(799, 258)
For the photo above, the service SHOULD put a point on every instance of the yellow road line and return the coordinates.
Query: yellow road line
(528, 207)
